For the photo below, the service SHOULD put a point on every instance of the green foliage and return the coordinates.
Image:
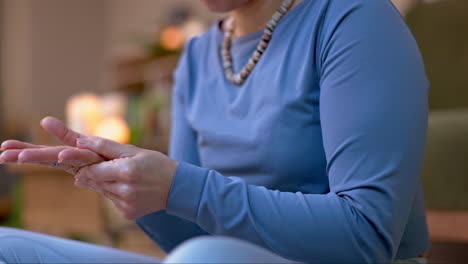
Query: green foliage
(15, 219)
(135, 119)
(156, 50)
(80, 238)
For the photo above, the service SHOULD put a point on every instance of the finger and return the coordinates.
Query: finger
(121, 205)
(57, 128)
(15, 144)
(105, 147)
(79, 157)
(116, 200)
(122, 190)
(104, 171)
(10, 156)
(94, 186)
(47, 155)
(84, 183)
(15, 156)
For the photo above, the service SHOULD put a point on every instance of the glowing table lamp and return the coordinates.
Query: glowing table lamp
(83, 113)
(114, 128)
(99, 116)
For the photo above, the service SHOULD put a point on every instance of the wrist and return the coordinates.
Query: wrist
(186, 191)
(169, 169)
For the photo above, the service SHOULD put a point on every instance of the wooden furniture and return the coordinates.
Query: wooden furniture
(445, 181)
(448, 225)
(53, 205)
(133, 75)
(439, 28)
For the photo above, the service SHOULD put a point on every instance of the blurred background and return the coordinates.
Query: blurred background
(105, 67)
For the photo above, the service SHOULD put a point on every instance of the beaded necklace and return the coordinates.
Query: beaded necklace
(239, 78)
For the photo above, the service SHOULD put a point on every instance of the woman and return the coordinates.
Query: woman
(308, 150)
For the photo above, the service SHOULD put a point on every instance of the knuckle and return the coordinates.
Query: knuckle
(101, 144)
(131, 173)
(125, 170)
(128, 194)
(69, 136)
(125, 173)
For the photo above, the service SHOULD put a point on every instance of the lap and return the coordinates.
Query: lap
(211, 249)
(18, 246)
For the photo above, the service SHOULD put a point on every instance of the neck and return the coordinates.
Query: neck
(254, 15)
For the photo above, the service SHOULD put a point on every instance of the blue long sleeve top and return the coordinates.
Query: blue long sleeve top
(316, 157)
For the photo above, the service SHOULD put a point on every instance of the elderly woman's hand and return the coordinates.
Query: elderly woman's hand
(136, 180)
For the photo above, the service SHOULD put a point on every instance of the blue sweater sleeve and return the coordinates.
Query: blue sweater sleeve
(373, 109)
(164, 229)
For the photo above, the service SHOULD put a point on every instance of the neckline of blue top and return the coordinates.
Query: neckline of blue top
(257, 34)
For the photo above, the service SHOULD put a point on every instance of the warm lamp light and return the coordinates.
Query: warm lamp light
(172, 38)
(90, 114)
(113, 104)
(114, 129)
(83, 113)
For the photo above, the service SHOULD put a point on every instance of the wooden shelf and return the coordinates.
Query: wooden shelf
(133, 74)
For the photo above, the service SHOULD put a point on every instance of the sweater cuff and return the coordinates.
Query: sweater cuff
(186, 191)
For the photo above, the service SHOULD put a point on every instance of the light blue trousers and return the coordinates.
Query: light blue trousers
(18, 246)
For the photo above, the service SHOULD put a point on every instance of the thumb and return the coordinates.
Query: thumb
(105, 147)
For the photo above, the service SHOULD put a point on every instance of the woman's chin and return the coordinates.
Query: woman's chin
(223, 6)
